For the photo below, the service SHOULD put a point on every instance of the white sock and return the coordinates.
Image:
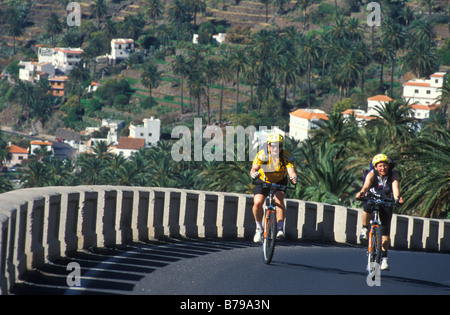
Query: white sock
(259, 225)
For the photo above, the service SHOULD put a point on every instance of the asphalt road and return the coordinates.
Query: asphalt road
(216, 267)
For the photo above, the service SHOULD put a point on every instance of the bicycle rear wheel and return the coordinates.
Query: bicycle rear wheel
(375, 251)
(270, 237)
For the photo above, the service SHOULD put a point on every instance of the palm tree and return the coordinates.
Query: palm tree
(224, 75)
(395, 35)
(426, 185)
(180, 67)
(35, 175)
(310, 54)
(53, 26)
(238, 60)
(383, 53)
(78, 75)
(266, 5)
(395, 117)
(99, 9)
(348, 70)
(178, 14)
(324, 175)
(334, 130)
(364, 57)
(422, 59)
(151, 78)
(210, 70)
(15, 29)
(155, 9)
(92, 169)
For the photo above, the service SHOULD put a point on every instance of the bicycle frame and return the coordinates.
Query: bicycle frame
(270, 222)
(375, 229)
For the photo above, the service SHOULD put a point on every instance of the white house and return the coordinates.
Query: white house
(65, 59)
(301, 121)
(127, 146)
(150, 131)
(361, 116)
(32, 71)
(45, 54)
(376, 101)
(38, 144)
(424, 91)
(121, 48)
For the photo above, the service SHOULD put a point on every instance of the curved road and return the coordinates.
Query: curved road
(216, 267)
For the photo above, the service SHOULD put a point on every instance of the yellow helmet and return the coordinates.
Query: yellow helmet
(275, 137)
(380, 158)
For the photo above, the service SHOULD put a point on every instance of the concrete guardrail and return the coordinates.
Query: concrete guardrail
(42, 224)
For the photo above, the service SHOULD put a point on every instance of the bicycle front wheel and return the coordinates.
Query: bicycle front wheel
(375, 251)
(270, 236)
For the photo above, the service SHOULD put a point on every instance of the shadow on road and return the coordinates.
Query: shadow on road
(116, 270)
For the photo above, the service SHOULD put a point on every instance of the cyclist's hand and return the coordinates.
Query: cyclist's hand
(256, 175)
(294, 180)
(359, 195)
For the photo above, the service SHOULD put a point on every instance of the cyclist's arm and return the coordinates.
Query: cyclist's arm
(367, 183)
(396, 187)
(255, 168)
(292, 174)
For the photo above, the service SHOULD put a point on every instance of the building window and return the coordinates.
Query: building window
(416, 91)
(428, 91)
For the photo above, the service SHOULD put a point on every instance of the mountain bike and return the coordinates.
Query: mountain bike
(270, 221)
(375, 234)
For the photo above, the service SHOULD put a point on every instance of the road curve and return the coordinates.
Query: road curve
(217, 267)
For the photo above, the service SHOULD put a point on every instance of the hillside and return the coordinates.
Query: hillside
(233, 15)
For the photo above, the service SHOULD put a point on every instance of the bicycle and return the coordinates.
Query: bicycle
(375, 235)
(270, 221)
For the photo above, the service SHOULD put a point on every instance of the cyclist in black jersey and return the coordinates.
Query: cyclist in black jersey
(383, 183)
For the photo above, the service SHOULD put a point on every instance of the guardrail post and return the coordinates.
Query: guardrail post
(70, 205)
(156, 214)
(444, 236)
(171, 218)
(140, 214)
(431, 234)
(309, 227)
(415, 233)
(207, 215)
(4, 231)
(124, 214)
(52, 223)
(227, 216)
(188, 214)
(399, 231)
(88, 218)
(292, 213)
(245, 220)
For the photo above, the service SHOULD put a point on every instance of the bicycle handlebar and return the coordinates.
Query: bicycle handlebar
(374, 200)
(275, 187)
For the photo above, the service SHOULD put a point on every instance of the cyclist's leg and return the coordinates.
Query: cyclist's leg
(385, 217)
(366, 217)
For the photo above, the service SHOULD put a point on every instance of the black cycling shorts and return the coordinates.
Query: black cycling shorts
(385, 214)
(259, 189)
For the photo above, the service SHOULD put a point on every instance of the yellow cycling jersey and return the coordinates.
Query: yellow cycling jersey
(271, 173)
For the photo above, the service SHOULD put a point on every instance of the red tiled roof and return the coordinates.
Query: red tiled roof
(130, 143)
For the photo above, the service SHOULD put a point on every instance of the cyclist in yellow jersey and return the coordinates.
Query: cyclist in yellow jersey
(271, 165)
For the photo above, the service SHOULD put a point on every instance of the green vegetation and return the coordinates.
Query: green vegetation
(326, 56)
